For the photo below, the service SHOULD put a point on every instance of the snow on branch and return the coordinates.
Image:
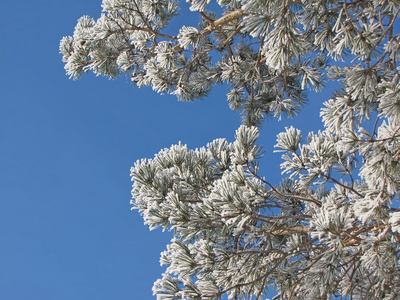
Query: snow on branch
(331, 228)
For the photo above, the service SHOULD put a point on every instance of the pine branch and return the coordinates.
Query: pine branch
(236, 14)
(233, 15)
(288, 231)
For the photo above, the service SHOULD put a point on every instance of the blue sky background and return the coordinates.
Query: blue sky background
(66, 148)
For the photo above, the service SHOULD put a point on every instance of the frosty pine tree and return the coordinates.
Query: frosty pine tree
(331, 229)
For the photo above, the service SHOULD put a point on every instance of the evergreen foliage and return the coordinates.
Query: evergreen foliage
(332, 227)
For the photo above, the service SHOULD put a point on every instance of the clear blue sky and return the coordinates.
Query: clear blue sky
(66, 148)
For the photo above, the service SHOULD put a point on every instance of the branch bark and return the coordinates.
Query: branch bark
(233, 15)
(236, 14)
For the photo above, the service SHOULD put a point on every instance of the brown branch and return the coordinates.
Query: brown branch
(286, 231)
(351, 240)
(236, 14)
(292, 230)
(233, 15)
(226, 40)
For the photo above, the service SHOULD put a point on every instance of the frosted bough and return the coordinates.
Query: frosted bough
(331, 229)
